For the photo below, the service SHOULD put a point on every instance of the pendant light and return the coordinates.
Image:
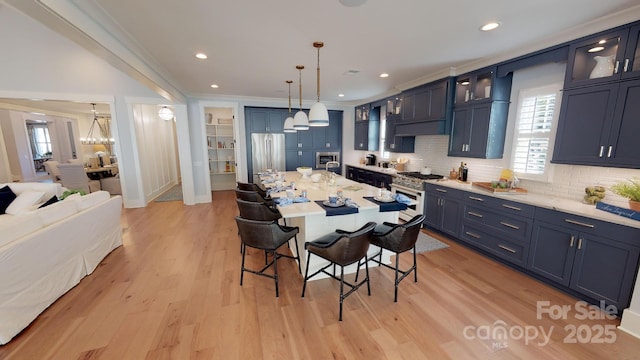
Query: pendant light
(300, 121)
(318, 115)
(288, 122)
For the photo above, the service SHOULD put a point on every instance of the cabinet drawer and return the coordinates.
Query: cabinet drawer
(587, 225)
(513, 252)
(444, 191)
(512, 227)
(505, 206)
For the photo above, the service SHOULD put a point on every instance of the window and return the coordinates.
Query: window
(532, 143)
(40, 140)
(383, 132)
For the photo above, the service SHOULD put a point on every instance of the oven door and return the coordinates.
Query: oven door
(417, 205)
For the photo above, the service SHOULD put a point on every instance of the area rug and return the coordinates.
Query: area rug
(426, 243)
(173, 194)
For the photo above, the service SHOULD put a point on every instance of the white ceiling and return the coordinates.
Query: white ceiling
(254, 45)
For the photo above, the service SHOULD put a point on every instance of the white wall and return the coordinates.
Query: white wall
(156, 149)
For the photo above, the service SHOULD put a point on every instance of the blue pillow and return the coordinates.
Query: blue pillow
(6, 197)
(53, 200)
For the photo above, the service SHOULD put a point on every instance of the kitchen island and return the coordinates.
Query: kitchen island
(313, 221)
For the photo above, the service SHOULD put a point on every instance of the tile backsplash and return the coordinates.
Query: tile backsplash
(568, 181)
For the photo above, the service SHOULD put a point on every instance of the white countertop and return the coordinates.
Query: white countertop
(548, 202)
(321, 191)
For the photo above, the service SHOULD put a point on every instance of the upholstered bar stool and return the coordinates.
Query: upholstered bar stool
(253, 196)
(252, 187)
(260, 211)
(268, 236)
(397, 238)
(341, 248)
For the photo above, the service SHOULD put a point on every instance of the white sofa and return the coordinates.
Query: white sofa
(46, 252)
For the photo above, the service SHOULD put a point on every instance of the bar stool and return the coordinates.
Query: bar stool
(252, 187)
(261, 212)
(268, 236)
(253, 196)
(397, 238)
(341, 248)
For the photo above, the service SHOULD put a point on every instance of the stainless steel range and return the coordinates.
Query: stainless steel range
(411, 184)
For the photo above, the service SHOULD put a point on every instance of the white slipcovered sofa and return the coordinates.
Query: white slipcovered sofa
(47, 251)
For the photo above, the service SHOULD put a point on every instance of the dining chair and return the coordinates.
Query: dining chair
(397, 238)
(73, 176)
(341, 248)
(268, 236)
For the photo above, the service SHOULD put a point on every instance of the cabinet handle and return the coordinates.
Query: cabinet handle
(579, 223)
(441, 190)
(327, 145)
(609, 151)
(616, 68)
(511, 207)
(507, 248)
(462, 148)
(299, 153)
(472, 234)
(299, 145)
(476, 198)
(579, 243)
(601, 151)
(361, 145)
(475, 214)
(626, 65)
(573, 241)
(510, 225)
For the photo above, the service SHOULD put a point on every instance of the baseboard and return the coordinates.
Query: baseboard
(630, 323)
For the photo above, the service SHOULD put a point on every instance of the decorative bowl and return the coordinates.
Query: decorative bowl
(305, 171)
(316, 178)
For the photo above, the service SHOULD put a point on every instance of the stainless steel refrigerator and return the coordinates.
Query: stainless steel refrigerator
(267, 152)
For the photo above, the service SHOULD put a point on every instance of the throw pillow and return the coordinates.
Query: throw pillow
(6, 197)
(24, 202)
(53, 200)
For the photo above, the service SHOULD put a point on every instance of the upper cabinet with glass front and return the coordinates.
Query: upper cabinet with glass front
(362, 113)
(474, 87)
(605, 57)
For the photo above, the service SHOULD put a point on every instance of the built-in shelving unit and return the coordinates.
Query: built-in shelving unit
(221, 146)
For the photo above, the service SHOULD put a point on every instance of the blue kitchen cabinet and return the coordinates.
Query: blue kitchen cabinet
(329, 138)
(598, 126)
(367, 132)
(265, 120)
(397, 144)
(443, 206)
(604, 57)
(581, 254)
(299, 158)
(480, 115)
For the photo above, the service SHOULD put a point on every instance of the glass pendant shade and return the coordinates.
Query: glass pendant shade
(318, 115)
(300, 121)
(288, 125)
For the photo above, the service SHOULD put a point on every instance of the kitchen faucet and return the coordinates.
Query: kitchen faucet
(331, 178)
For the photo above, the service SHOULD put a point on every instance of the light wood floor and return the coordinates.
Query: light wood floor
(172, 292)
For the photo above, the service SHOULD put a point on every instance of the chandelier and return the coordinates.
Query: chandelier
(102, 136)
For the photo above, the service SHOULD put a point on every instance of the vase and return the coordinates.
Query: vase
(634, 205)
(603, 68)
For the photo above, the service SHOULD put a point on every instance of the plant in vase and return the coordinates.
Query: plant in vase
(630, 190)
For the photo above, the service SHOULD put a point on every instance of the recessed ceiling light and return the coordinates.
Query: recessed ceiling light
(38, 113)
(214, 86)
(201, 56)
(340, 95)
(490, 26)
(384, 75)
(596, 49)
(602, 41)
(352, 3)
